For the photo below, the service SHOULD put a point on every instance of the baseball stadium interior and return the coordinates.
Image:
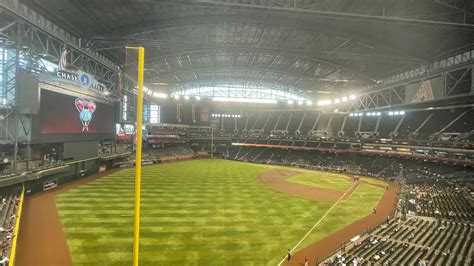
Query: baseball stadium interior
(375, 97)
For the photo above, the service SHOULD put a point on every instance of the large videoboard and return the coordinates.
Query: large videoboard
(68, 118)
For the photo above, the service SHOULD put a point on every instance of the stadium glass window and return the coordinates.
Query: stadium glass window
(146, 113)
(155, 114)
(2, 72)
(235, 91)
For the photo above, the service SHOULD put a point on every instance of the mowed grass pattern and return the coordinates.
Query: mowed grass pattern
(206, 212)
(324, 180)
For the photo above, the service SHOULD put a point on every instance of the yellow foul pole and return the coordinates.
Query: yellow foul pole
(138, 157)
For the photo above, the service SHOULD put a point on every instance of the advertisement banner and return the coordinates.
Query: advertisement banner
(73, 82)
(205, 114)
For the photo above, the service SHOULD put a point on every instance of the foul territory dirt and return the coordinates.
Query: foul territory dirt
(41, 241)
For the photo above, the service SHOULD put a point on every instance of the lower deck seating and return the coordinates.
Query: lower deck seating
(8, 211)
(407, 242)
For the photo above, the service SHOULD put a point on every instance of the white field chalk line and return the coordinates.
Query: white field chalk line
(318, 222)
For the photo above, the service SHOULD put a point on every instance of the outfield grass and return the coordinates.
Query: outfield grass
(323, 180)
(204, 212)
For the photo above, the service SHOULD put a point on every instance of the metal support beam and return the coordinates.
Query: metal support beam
(360, 122)
(377, 125)
(40, 22)
(343, 123)
(452, 122)
(423, 124)
(256, 120)
(277, 122)
(395, 131)
(288, 123)
(315, 122)
(266, 121)
(329, 123)
(340, 15)
(301, 122)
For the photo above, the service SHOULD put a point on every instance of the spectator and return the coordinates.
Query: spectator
(4, 261)
(4, 245)
(355, 261)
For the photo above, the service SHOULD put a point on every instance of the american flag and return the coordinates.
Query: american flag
(63, 60)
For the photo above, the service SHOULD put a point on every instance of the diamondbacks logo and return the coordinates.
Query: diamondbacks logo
(86, 109)
(424, 93)
(85, 80)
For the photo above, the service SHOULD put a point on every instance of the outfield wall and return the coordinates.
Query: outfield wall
(77, 170)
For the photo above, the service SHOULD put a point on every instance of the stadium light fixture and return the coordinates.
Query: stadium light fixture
(300, 102)
(160, 95)
(176, 97)
(309, 103)
(402, 112)
(390, 113)
(198, 97)
(186, 97)
(344, 99)
(337, 101)
(324, 102)
(379, 113)
(290, 102)
(243, 100)
(352, 97)
(396, 113)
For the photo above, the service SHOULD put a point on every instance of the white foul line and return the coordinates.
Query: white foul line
(318, 222)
